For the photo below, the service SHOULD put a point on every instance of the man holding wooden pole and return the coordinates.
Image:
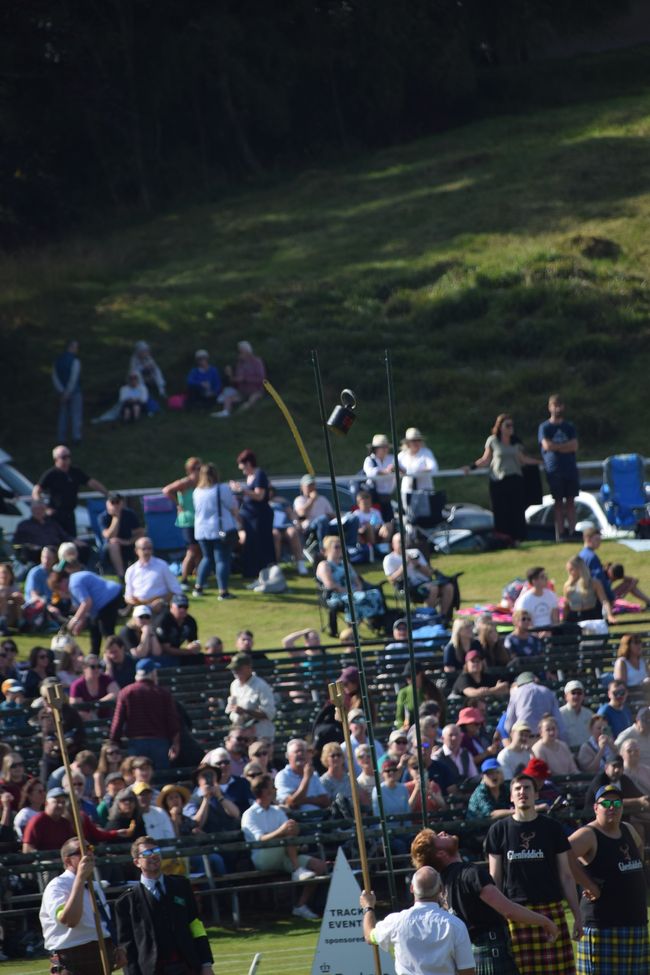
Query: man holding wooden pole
(68, 920)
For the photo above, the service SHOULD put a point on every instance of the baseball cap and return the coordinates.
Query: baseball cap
(11, 686)
(643, 714)
(470, 716)
(180, 599)
(472, 655)
(357, 715)
(307, 479)
(419, 669)
(240, 660)
(488, 764)
(217, 755)
(139, 787)
(574, 685)
(147, 665)
(396, 735)
(399, 623)
(56, 792)
(525, 677)
(201, 354)
(606, 790)
(113, 777)
(140, 611)
(124, 794)
(349, 673)
(521, 726)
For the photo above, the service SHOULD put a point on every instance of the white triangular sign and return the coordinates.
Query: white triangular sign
(341, 949)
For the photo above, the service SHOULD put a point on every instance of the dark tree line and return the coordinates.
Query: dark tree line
(125, 103)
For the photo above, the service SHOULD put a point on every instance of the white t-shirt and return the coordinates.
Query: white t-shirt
(418, 469)
(158, 824)
(393, 561)
(539, 607)
(57, 935)
(320, 507)
(427, 940)
(254, 695)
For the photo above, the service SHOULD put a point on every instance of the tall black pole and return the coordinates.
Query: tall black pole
(363, 685)
(407, 596)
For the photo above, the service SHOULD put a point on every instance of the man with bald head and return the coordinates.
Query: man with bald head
(426, 938)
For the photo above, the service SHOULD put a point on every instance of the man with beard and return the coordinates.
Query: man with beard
(529, 860)
(615, 939)
(473, 896)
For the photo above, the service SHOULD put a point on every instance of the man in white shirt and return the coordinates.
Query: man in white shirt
(541, 602)
(250, 698)
(67, 917)
(420, 577)
(299, 788)
(149, 581)
(156, 820)
(575, 717)
(266, 821)
(427, 939)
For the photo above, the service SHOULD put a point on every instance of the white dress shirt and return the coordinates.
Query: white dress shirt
(151, 580)
(427, 940)
(254, 695)
(57, 935)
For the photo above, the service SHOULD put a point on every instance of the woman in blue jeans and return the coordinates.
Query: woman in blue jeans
(215, 529)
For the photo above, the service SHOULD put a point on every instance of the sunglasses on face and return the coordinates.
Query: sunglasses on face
(259, 754)
(223, 761)
(92, 666)
(620, 693)
(611, 803)
(390, 771)
(153, 851)
(576, 693)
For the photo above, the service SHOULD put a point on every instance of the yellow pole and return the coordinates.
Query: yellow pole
(336, 696)
(292, 426)
(55, 700)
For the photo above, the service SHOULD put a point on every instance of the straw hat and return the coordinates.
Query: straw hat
(413, 434)
(167, 790)
(379, 440)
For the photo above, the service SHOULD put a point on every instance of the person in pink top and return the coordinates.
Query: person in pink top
(93, 686)
(245, 382)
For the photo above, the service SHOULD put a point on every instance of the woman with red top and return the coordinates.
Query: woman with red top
(93, 686)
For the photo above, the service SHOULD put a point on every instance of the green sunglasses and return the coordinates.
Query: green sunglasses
(611, 803)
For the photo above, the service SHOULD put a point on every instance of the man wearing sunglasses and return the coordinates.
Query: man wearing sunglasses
(157, 922)
(615, 938)
(67, 918)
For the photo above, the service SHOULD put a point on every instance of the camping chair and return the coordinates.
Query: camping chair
(623, 491)
(159, 519)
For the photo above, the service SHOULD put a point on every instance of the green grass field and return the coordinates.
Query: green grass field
(470, 254)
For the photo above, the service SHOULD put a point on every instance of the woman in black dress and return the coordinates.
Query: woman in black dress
(256, 515)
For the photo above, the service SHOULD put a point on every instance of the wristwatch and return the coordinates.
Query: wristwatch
(367, 910)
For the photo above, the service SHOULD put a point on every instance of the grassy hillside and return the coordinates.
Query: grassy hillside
(471, 255)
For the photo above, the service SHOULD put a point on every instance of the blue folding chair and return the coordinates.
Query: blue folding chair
(159, 519)
(623, 493)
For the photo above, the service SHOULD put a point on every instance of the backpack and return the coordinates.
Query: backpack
(271, 580)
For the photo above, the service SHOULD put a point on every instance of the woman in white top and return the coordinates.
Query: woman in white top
(505, 457)
(630, 666)
(416, 462)
(32, 799)
(379, 468)
(553, 750)
(215, 529)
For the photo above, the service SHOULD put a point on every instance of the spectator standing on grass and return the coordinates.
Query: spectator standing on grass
(379, 469)
(61, 484)
(504, 456)
(149, 581)
(265, 821)
(215, 527)
(559, 445)
(66, 379)
(256, 515)
(181, 495)
(146, 715)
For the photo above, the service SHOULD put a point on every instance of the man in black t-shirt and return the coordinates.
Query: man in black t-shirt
(119, 527)
(529, 861)
(178, 634)
(613, 774)
(473, 896)
(62, 482)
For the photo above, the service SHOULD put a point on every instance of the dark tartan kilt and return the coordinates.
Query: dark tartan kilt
(493, 955)
(536, 956)
(614, 951)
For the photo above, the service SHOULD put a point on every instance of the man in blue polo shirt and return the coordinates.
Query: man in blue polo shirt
(97, 600)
